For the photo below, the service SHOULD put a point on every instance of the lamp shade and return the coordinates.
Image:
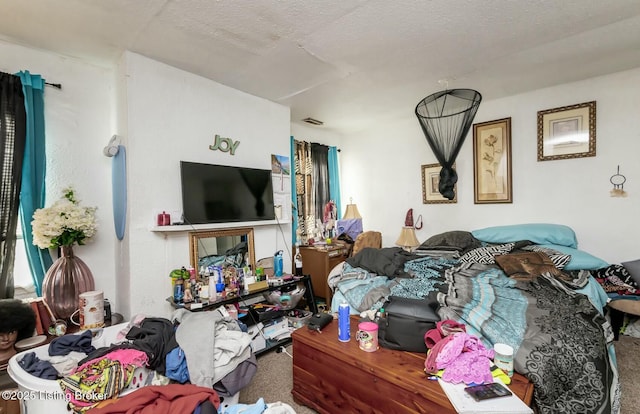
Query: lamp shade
(352, 212)
(407, 239)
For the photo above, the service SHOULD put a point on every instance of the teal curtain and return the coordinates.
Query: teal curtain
(334, 179)
(32, 192)
(294, 198)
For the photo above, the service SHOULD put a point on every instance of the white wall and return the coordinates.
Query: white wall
(311, 133)
(381, 168)
(172, 116)
(79, 120)
(163, 115)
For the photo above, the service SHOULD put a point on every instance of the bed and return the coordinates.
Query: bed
(527, 285)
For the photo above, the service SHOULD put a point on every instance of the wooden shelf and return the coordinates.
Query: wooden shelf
(215, 226)
(308, 294)
(250, 320)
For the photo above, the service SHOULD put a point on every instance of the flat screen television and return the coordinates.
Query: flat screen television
(220, 193)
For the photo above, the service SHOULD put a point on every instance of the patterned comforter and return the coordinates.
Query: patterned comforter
(562, 341)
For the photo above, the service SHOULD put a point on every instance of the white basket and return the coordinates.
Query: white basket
(286, 300)
(226, 402)
(299, 322)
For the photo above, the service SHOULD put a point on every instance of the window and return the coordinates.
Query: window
(22, 280)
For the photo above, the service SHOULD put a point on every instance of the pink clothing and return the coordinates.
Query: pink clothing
(126, 357)
(462, 343)
(430, 364)
(463, 357)
(469, 367)
(442, 329)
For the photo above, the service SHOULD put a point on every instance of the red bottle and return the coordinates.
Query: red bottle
(163, 219)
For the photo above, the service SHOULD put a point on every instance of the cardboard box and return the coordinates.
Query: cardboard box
(257, 286)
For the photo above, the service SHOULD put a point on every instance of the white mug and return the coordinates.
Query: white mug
(91, 310)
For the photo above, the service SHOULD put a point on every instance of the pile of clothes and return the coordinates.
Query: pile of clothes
(456, 356)
(209, 350)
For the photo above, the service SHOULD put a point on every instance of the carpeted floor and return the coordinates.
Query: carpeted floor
(273, 381)
(627, 353)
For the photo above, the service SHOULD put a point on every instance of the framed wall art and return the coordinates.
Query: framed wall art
(492, 162)
(567, 132)
(430, 181)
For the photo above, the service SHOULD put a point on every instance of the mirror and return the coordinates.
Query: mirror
(231, 246)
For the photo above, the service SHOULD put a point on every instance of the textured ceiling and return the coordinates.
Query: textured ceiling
(345, 62)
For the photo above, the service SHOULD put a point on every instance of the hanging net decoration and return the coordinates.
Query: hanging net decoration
(445, 118)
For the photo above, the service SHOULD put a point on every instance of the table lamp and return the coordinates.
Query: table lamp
(407, 239)
(351, 222)
(352, 211)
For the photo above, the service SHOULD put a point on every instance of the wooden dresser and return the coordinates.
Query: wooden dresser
(317, 261)
(338, 377)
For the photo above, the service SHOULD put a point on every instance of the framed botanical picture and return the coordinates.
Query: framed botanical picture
(567, 132)
(430, 181)
(492, 162)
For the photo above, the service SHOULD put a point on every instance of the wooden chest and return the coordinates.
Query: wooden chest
(338, 377)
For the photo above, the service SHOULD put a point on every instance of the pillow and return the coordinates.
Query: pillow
(580, 260)
(526, 265)
(633, 268)
(559, 259)
(539, 233)
(451, 240)
(485, 255)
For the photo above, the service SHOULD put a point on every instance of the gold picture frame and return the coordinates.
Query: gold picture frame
(492, 162)
(567, 132)
(430, 181)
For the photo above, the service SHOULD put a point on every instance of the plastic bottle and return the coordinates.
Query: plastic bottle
(245, 287)
(218, 279)
(277, 263)
(213, 293)
(192, 283)
(344, 325)
(165, 219)
(298, 262)
(380, 316)
(178, 291)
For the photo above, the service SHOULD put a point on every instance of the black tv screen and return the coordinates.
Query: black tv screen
(220, 193)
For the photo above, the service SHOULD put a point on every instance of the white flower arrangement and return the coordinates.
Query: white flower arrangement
(64, 223)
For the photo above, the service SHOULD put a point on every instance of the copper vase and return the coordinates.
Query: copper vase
(67, 278)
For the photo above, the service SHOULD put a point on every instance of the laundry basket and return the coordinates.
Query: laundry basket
(42, 396)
